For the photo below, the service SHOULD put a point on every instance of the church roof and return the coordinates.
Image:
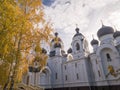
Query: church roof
(116, 34)
(57, 41)
(56, 36)
(94, 41)
(44, 51)
(69, 50)
(104, 30)
(77, 32)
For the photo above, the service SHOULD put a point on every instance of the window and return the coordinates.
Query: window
(76, 65)
(77, 75)
(56, 76)
(77, 46)
(96, 62)
(99, 73)
(108, 57)
(66, 78)
(65, 67)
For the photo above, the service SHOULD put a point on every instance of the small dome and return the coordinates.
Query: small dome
(94, 41)
(53, 40)
(116, 34)
(77, 32)
(56, 38)
(44, 51)
(69, 50)
(56, 34)
(104, 30)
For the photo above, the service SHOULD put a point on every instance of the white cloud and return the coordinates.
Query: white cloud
(65, 14)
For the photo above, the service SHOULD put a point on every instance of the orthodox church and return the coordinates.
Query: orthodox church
(79, 69)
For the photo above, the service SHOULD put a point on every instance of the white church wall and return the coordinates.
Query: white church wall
(107, 39)
(101, 53)
(55, 64)
(76, 73)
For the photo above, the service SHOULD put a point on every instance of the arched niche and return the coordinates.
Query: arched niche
(77, 46)
(45, 75)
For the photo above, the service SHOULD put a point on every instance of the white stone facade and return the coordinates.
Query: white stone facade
(82, 68)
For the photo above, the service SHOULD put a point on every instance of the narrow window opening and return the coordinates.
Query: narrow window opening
(65, 67)
(66, 78)
(99, 73)
(108, 57)
(77, 76)
(56, 76)
(96, 62)
(76, 65)
(77, 46)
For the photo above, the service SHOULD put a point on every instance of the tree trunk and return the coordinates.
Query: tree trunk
(8, 80)
(6, 84)
(12, 84)
(16, 62)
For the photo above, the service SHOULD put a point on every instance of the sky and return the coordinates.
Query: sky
(87, 14)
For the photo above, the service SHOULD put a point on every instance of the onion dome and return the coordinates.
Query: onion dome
(104, 30)
(56, 38)
(57, 41)
(44, 51)
(53, 40)
(33, 69)
(77, 32)
(116, 34)
(56, 34)
(69, 50)
(94, 41)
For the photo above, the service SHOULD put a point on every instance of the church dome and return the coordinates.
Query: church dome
(116, 34)
(69, 50)
(44, 51)
(53, 40)
(104, 30)
(77, 32)
(94, 41)
(56, 41)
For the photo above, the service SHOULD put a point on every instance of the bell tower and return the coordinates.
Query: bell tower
(79, 45)
(56, 46)
(55, 61)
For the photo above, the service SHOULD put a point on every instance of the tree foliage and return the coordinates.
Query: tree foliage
(22, 27)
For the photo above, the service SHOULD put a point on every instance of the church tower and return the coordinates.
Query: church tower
(56, 46)
(79, 45)
(56, 58)
(107, 52)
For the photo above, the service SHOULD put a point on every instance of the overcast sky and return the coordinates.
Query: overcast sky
(87, 14)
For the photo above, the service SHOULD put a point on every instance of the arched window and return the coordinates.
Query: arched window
(77, 46)
(56, 76)
(66, 78)
(77, 75)
(108, 57)
(99, 73)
